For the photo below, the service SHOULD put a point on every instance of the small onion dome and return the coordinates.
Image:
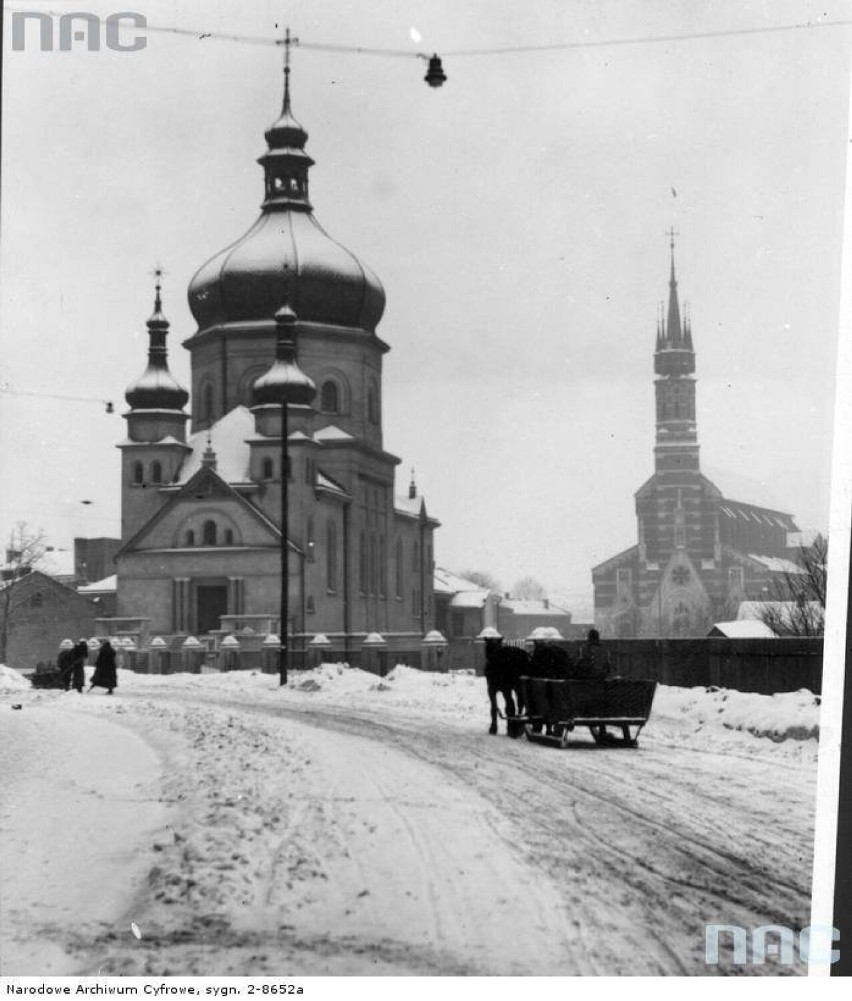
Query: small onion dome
(285, 380)
(230, 643)
(157, 388)
(489, 633)
(320, 640)
(192, 643)
(158, 643)
(374, 639)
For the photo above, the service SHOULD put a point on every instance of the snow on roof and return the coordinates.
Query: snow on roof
(743, 629)
(331, 432)
(447, 582)
(329, 484)
(228, 440)
(805, 537)
(777, 564)
(99, 586)
(735, 485)
(408, 505)
(469, 599)
(528, 607)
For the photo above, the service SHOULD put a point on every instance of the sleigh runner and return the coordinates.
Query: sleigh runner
(554, 708)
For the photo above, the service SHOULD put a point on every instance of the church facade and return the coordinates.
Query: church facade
(201, 488)
(698, 554)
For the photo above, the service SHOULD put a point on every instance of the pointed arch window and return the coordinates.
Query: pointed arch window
(209, 533)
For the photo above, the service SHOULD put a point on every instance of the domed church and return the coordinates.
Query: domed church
(201, 490)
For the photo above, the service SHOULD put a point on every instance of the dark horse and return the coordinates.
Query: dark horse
(504, 666)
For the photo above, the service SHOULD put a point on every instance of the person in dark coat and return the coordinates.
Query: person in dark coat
(549, 661)
(77, 667)
(593, 664)
(63, 665)
(105, 673)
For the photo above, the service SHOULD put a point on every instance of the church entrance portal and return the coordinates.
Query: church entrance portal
(211, 602)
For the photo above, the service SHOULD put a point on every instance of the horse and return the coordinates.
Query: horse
(504, 666)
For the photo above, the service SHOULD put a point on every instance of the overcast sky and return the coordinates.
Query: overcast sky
(516, 217)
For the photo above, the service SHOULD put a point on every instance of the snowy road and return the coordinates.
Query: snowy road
(321, 830)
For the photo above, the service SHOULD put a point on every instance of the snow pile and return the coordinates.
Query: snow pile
(779, 717)
(11, 680)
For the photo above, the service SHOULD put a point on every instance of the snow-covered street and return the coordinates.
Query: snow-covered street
(219, 824)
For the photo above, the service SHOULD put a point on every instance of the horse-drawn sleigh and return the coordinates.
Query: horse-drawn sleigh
(547, 696)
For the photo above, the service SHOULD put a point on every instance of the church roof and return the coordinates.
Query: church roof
(447, 582)
(228, 440)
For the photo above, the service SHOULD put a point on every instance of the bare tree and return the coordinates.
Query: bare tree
(796, 602)
(529, 589)
(483, 579)
(25, 552)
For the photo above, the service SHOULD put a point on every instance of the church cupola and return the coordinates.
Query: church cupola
(156, 388)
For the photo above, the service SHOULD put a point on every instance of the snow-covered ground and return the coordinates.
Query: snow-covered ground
(346, 824)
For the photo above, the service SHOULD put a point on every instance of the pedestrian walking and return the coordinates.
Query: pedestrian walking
(105, 675)
(77, 665)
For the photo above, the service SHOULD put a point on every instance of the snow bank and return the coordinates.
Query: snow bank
(779, 717)
(12, 680)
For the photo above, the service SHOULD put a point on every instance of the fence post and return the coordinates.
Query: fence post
(229, 650)
(269, 653)
(192, 654)
(433, 646)
(317, 649)
(157, 654)
(374, 657)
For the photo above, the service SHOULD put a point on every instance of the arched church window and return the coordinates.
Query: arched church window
(310, 607)
(138, 473)
(330, 398)
(398, 568)
(331, 555)
(267, 469)
(190, 538)
(209, 533)
(156, 472)
(229, 537)
(373, 404)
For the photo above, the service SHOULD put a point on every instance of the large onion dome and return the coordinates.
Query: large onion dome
(286, 255)
(157, 388)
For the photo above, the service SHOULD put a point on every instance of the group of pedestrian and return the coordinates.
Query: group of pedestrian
(72, 668)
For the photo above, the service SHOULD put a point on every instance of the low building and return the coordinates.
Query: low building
(36, 613)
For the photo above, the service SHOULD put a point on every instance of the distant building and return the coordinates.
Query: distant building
(699, 554)
(94, 559)
(462, 607)
(42, 612)
(516, 619)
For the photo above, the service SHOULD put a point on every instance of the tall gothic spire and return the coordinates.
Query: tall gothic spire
(674, 330)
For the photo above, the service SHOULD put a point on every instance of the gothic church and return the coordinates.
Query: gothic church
(699, 554)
